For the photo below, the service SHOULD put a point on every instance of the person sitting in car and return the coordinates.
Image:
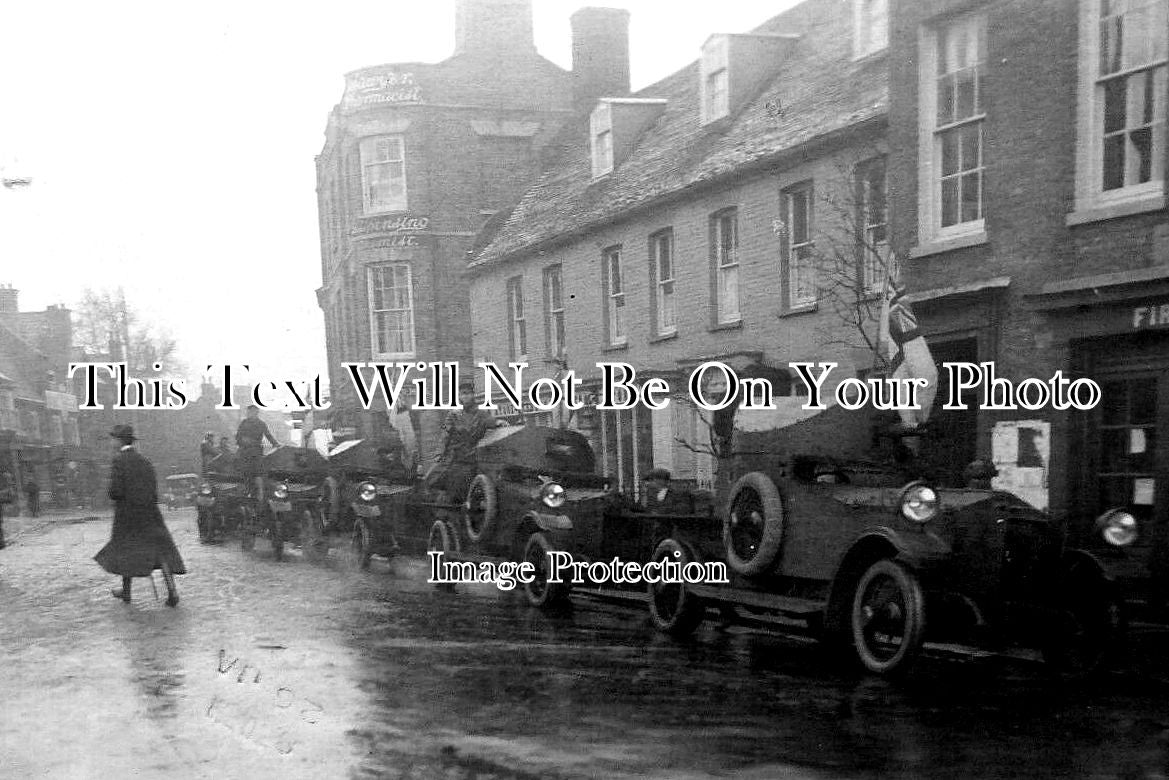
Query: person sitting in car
(662, 497)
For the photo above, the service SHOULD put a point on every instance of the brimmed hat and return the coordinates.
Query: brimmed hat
(466, 384)
(652, 474)
(123, 432)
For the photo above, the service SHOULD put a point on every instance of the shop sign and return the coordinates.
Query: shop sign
(397, 230)
(1149, 316)
(371, 88)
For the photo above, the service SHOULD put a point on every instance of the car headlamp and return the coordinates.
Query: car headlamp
(205, 488)
(280, 491)
(368, 491)
(1118, 527)
(919, 502)
(553, 495)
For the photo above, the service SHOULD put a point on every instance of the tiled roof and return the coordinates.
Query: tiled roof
(817, 91)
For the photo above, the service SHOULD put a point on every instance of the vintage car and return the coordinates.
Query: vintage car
(293, 489)
(222, 501)
(180, 490)
(537, 491)
(828, 521)
(368, 481)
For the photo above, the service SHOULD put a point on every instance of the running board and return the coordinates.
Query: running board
(788, 605)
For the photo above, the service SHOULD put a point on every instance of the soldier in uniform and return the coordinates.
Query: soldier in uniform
(458, 463)
(249, 438)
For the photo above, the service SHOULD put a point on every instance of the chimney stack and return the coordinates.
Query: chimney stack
(496, 27)
(9, 299)
(600, 55)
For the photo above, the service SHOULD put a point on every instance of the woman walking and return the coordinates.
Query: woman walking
(140, 541)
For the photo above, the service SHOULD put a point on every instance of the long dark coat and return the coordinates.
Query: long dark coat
(140, 542)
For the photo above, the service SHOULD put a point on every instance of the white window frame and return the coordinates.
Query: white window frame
(799, 254)
(931, 135)
(374, 282)
(715, 84)
(554, 310)
(601, 138)
(517, 322)
(874, 251)
(870, 27)
(665, 310)
(393, 161)
(1090, 192)
(614, 292)
(726, 267)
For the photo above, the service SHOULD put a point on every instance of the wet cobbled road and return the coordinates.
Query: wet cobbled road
(299, 670)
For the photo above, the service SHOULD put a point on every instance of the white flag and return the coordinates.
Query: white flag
(906, 352)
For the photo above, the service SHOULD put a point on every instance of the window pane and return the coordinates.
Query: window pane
(946, 100)
(949, 202)
(971, 197)
(1113, 162)
(971, 146)
(1143, 401)
(965, 87)
(950, 152)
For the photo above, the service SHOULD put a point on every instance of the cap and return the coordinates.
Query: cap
(662, 474)
(467, 384)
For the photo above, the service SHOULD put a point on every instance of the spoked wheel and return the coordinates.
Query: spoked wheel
(672, 608)
(480, 508)
(359, 553)
(312, 541)
(1084, 630)
(888, 618)
(541, 591)
(753, 528)
(442, 539)
(204, 523)
(247, 530)
(277, 532)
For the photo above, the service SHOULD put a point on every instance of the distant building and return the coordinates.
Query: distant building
(417, 158)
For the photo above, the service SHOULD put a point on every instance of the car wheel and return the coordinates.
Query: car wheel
(540, 591)
(359, 554)
(672, 607)
(444, 540)
(277, 536)
(312, 541)
(330, 504)
(1085, 627)
(203, 523)
(480, 510)
(247, 530)
(753, 524)
(888, 618)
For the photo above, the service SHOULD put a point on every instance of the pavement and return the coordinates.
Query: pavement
(298, 670)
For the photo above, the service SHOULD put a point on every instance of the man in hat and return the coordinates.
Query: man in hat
(663, 497)
(464, 427)
(139, 542)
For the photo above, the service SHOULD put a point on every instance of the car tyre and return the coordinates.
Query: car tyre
(540, 592)
(753, 524)
(360, 553)
(203, 523)
(673, 609)
(277, 536)
(312, 538)
(888, 618)
(481, 508)
(1085, 628)
(247, 531)
(443, 539)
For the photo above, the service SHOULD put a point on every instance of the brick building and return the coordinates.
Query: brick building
(417, 158)
(1028, 187)
(39, 433)
(733, 211)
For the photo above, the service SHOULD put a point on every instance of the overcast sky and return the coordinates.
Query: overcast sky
(171, 147)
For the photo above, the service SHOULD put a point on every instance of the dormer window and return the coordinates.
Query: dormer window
(870, 28)
(715, 79)
(601, 132)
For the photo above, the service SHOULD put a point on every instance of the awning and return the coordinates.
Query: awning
(1102, 288)
(970, 288)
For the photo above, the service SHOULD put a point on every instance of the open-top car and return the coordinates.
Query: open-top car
(223, 500)
(366, 490)
(180, 490)
(830, 522)
(294, 486)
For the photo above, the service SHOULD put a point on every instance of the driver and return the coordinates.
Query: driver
(464, 427)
